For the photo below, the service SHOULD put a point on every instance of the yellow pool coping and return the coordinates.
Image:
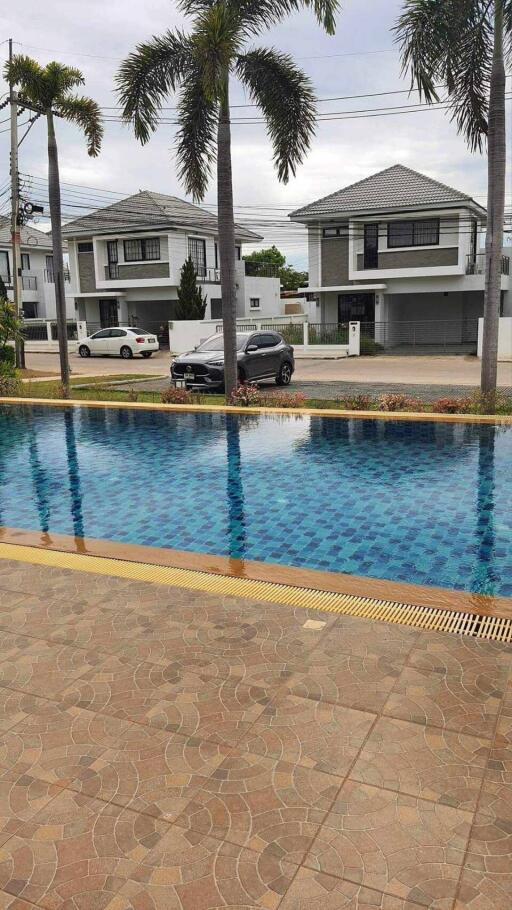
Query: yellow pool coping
(500, 419)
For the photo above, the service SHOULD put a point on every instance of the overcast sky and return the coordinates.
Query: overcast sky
(95, 35)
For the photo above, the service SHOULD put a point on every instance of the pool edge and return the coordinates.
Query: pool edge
(504, 419)
(241, 576)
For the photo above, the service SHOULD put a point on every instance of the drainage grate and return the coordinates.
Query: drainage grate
(492, 628)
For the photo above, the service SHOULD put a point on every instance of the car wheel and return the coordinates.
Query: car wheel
(126, 352)
(84, 351)
(285, 374)
(147, 354)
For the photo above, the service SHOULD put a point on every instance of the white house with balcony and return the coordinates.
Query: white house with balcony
(125, 262)
(401, 253)
(38, 288)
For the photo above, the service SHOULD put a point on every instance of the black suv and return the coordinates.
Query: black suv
(261, 355)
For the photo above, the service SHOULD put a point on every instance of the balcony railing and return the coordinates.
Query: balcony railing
(261, 269)
(212, 276)
(475, 265)
(49, 276)
(29, 282)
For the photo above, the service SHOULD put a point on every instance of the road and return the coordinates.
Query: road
(442, 371)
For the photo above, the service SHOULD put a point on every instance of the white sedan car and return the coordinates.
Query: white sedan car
(119, 341)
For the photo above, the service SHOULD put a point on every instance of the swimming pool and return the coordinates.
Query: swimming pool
(421, 502)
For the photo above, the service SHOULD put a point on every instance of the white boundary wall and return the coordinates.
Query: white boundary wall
(185, 335)
(504, 338)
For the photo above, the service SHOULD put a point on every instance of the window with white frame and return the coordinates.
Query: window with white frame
(254, 303)
(142, 249)
(25, 262)
(197, 253)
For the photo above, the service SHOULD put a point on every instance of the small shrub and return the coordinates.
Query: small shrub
(451, 405)
(369, 347)
(397, 402)
(10, 385)
(246, 395)
(360, 402)
(479, 403)
(133, 395)
(176, 396)
(7, 355)
(286, 400)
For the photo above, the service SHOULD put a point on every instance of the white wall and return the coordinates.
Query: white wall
(504, 338)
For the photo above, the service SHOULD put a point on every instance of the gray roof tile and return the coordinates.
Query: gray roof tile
(145, 211)
(395, 187)
(30, 236)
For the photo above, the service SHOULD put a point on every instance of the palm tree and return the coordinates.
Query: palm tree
(459, 44)
(47, 90)
(200, 65)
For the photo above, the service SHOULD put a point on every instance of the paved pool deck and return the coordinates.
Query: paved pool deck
(168, 749)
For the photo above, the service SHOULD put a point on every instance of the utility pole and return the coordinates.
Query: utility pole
(15, 217)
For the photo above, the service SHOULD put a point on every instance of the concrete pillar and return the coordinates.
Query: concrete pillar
(354, 338)
(305, 326)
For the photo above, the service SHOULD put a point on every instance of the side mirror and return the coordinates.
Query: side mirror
(251, 348)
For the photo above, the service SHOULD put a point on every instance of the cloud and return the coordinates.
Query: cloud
(96, 35)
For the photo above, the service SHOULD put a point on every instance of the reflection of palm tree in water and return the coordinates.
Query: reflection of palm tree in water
(40, 483)
(74, 480)
(485, 575)
(235, 492)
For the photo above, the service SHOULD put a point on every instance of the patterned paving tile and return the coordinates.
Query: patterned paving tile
(9, 902)
(22, 796)
(363, 639)
(355, 682)
(496, 796)
(40, 616)
(151, 771)
(487, 877)
(107, 630)
(455, 653)
(47, 668)
(16, 706)
(76, 852)
(318, 891)
(393, 843)
(318, 735)
(424, 761)
(57, 744)
(191, 871)
(10, 598)
(186, 703)
(259, 803)
(12, 645)
(469, 704)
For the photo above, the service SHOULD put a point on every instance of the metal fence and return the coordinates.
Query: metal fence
(292, 332)
(328, 333)
(46, 330)
(443, 336)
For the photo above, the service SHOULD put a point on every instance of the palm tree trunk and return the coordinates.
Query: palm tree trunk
(226, 227)
(495, 211)
(58, 260)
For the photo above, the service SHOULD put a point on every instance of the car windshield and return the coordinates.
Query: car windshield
(217, 342)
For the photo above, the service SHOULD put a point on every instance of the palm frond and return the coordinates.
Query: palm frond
(27, 75)
(450, 43)
(86, 114)
(217, 39)
(255, 15)
(148, 76)
(196, 147)
(286, 97)
(62, 79)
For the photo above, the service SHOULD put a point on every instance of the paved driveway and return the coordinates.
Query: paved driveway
(444, 371)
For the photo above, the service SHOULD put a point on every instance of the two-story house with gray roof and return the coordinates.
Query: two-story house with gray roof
(403, 254)
(125, 262)
(38, 288)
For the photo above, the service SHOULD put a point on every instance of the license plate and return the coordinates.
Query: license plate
(151, 340)
(189, 377)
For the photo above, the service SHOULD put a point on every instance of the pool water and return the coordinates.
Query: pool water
(421, 502)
